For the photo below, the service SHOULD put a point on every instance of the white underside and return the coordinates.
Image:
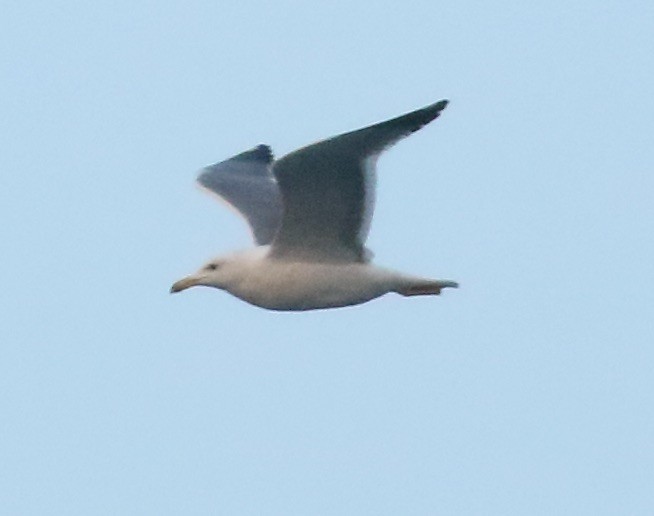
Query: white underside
(282, 285)
(292, 285)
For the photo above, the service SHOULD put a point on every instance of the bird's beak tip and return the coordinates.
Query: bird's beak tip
(183, 284)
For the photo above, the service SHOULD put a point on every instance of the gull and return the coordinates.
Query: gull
(309, 213)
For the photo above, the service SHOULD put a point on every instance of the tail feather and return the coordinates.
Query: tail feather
(426, 287)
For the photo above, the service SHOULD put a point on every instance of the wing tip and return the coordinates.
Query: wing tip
(261, 152)
(424, 116)
(437, 107)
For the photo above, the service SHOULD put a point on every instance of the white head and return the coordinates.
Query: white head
(217, 273)
(224, 272)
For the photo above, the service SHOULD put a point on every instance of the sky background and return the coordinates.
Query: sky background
(528, 391)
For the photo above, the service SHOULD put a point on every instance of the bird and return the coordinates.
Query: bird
(309, 213)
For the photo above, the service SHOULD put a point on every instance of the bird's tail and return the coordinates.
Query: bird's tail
(424, 287)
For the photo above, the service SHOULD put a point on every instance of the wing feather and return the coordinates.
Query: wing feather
(245, 181)
(328, 190)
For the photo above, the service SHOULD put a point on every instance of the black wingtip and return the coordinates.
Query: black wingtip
(438, 106)
(259, 153)
(421, 117)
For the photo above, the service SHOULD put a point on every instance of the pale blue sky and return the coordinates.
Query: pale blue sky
(527, 391)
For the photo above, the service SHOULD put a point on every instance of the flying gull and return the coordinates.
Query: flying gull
(309, 213)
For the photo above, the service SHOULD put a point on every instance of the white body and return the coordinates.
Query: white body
(281, 285)
(287, 285)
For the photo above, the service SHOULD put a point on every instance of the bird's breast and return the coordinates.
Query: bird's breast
(280, 285)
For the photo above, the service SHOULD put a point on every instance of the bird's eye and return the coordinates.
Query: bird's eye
(212, 267)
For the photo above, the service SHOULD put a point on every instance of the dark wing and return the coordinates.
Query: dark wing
(246, 183)
(328, 190)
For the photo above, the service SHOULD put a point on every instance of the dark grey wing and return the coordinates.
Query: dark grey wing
(246, 183)
(328, 190)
